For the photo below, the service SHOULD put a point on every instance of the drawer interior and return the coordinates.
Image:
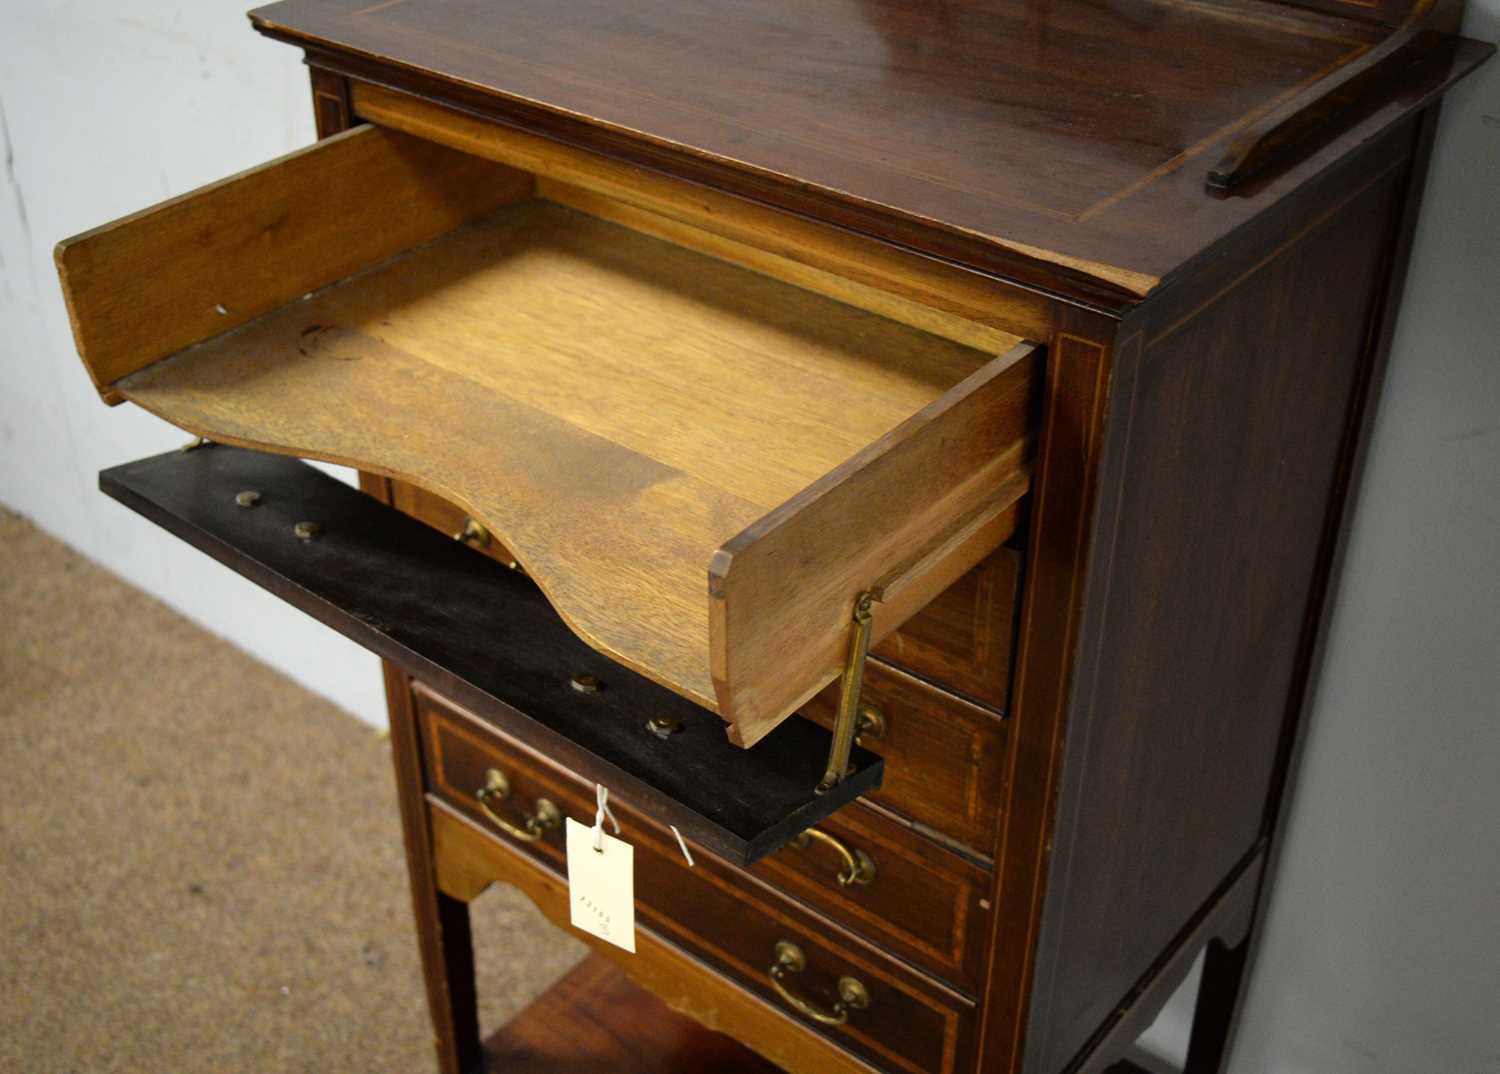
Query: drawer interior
(701, 466)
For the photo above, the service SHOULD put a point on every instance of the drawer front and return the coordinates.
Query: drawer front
(724, 916)
(942, 755)
(888, 883)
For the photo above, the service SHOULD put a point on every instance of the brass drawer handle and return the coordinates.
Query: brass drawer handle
(473, 534)
(497, 788)
(859, 867)
(789, 960)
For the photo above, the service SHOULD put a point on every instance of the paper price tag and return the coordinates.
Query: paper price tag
(601, 885)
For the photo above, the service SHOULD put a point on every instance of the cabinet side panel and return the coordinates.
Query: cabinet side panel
(1221, 477)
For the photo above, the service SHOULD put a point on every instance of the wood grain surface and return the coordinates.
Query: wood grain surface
(596, 1020)
(1065, 141)
(488, 639)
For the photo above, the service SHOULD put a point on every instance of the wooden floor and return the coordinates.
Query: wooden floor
(596, 1021)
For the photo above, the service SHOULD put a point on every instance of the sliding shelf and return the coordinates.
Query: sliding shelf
(487, 638)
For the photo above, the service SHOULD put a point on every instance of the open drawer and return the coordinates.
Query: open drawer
(702, 467)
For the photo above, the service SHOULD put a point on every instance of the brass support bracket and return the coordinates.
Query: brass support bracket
(845, 723)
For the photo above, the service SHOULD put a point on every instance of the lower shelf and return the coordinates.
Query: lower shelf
(597, 1021)
(489, 640)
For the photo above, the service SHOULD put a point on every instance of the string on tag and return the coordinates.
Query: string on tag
(601, 795)
(681, 842)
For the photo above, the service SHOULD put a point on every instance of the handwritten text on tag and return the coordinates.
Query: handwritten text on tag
(601, 885)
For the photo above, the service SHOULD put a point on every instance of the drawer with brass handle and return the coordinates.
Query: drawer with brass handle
(858, 867)
(870, 873)
(853, 995)
(899, 889)
(438, 513)
(943, 755)
(543, 817)
(816, 968)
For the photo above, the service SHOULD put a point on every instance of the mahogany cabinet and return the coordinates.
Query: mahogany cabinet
(901, 448)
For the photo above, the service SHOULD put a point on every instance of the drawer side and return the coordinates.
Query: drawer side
(148, 285)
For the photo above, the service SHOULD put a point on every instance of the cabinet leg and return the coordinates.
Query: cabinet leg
(442, 921)
(1218, 1002)
(448, 967)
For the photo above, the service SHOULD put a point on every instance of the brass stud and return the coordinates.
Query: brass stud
(585, 683)
(663, 727)
(853, 993)
(473, 534)
(248, 498)
(306, 531)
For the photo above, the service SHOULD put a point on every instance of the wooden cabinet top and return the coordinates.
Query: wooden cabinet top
(1064, 143)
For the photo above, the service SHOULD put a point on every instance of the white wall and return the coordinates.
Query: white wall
(1381, 953)
(107, 108)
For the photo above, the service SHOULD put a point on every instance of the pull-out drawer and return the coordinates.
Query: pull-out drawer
(738, 925)
(872, 875)
(703, 468)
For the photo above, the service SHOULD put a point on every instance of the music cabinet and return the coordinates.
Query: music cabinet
(901, 447)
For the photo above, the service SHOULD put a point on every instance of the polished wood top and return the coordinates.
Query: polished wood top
(1070, 134)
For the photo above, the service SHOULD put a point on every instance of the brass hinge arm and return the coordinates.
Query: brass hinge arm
(845, 723)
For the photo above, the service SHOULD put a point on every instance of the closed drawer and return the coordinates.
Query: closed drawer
(901, 891)
(725, 916)
(943, 756)
(889, 884)
(965, 638)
